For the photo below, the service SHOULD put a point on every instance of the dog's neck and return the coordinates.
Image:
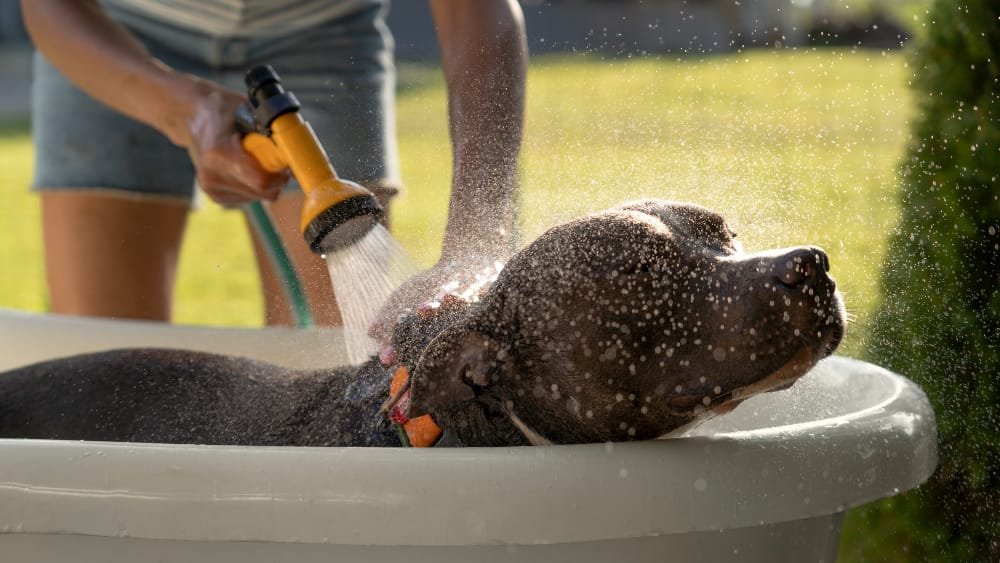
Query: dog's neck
(346, 394)
(481, 422)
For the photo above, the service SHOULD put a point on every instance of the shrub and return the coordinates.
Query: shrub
(938, 320)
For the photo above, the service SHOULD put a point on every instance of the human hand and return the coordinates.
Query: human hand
(225, 171)
(444, 287)
(417, 327)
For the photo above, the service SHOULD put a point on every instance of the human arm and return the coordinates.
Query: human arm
(484, 58)
(106, 61)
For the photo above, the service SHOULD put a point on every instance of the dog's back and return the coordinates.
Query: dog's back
(174, 396)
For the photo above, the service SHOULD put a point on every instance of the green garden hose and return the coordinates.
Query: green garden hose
(298, 303)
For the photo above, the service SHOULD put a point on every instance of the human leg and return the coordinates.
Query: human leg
(115, 197)
(110, 256)
(310, 268)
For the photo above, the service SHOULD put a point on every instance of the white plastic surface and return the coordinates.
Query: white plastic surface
(847, 433)
(27, 338)
(800, 541)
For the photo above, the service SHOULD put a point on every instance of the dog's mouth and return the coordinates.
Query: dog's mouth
(723, 403)
(703, 407)
(782, 377)
(833, 339)
(830, 336)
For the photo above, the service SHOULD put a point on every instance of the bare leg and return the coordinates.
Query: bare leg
(312, 271)
(110, 256)
(310, 268)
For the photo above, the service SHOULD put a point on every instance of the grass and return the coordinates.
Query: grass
(21, 270)
(793, 146)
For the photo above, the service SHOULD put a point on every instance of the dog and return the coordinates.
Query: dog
(623, 325)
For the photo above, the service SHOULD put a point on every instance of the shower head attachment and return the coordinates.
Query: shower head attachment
(336, 212)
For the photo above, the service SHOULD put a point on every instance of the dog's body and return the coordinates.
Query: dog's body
(177, 396)
(622, 325)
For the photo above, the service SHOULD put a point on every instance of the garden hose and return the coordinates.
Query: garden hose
(298, 303)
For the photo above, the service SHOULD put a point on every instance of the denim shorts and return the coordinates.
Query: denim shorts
(341, 71)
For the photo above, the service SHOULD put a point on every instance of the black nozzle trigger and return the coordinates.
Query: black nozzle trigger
(246, 123)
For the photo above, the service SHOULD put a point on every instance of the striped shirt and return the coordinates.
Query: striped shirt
(242, 18)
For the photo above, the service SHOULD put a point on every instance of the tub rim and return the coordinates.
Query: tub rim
(450, 497)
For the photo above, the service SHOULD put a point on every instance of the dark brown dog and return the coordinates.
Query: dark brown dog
(624, 325)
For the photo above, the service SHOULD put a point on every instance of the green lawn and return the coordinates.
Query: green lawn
(794, 147)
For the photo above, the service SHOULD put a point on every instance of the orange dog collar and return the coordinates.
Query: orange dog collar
(420, 432)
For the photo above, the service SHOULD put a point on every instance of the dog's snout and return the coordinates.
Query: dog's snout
(801, 267)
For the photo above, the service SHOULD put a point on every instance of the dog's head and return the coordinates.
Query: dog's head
(631, 323)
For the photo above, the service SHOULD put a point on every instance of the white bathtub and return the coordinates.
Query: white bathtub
(768, 482)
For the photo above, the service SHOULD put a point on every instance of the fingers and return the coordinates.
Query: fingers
(229, 175)
(453, 301)
(422, 293)
(413, 291)
(448, 302)
(225, 171)
(387, 355)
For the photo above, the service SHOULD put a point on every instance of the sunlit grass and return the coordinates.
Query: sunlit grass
(795, 147)
(22, 275)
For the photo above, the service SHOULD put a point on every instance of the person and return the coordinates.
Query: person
(135, 99)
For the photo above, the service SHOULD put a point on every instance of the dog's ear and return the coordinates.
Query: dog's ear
(455, 363)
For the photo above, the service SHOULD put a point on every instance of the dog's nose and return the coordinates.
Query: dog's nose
(801, 266)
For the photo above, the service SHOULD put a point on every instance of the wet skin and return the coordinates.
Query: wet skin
(622, 325)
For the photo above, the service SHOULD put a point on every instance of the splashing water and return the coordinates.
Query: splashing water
(363, 276)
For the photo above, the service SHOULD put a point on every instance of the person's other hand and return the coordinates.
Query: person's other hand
(453, 281)
(225, 171)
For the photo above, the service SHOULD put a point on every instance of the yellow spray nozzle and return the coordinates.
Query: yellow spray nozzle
(336, 212)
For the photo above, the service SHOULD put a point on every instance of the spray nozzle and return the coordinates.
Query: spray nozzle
(336, 212)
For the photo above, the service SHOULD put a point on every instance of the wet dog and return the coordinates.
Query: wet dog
(623, 325)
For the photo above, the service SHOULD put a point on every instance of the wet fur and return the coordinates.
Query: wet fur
(622, 325)
(184, 397)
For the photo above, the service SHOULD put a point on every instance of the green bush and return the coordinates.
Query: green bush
(938, 320)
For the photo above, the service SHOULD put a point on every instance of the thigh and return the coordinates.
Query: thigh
(111, 256)
(309, 267)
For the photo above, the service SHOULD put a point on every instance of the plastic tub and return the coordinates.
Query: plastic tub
(767, 482)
